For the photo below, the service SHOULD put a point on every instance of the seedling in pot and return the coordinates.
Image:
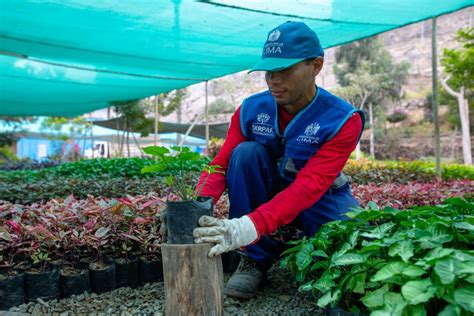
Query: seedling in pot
(181, 217)
(13, 247)
(40, 259)
(178, 164)
(99, 241)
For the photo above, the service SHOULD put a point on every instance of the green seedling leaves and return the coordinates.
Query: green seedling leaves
(420, 291)
(404, 249)
(464, 297)
(410, 262)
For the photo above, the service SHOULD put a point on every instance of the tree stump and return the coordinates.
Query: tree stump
(193, 282)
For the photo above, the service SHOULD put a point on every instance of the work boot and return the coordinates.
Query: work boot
(246, 280)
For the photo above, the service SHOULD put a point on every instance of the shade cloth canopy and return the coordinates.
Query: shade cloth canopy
(65, 58)
(199, 130)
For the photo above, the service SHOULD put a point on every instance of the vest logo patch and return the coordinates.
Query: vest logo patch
(263, 118)
(309, 134)
(263, 128)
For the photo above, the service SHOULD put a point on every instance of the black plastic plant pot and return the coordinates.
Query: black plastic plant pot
(126, 272)
(150, 270)
(12, 290)
(44, 285)
(74, 280)
(182, 217)
(102, 277)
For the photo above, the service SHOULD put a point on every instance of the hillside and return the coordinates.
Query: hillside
(411, 43)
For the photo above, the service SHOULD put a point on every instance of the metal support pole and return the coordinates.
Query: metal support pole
(155, 139)
(434, 77)
(207, 122)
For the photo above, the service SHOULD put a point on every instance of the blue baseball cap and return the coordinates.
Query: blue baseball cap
(287, 45)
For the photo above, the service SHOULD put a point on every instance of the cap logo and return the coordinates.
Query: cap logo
(273, 36)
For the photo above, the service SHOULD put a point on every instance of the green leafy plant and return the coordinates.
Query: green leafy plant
(390, 262)
(41, 259)
(178, 163)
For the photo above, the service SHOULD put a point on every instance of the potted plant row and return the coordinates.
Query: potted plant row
(51, 254)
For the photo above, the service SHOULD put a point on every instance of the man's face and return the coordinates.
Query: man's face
(294, 84)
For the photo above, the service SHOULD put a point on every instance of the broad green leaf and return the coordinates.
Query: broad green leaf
(462, 255)
(375, 298)
(306, 287)
(450, 310)
(412, 270)
(397, 268)
(456, 201)
(437, 253)
(353, 238)
(300, 275)
(320, 264)
(325, 283)
(373, 206)
(368, 215)
(379, 231)
(347, 259)
(393, 305)
(465, 297)
(303, 257)
(153, 168)
(470, 278)
(292, 249)
(417, 310)
(181, 149)
(445, 270)
(463, 267)
(464, 225)
(319, 253)
(328, 298)
(189, 156)
(388, 271)
(284, 262)
(156, 151)
(356, 283)
(404, 249)
(437, 236)
(101, 232)
(420, 291)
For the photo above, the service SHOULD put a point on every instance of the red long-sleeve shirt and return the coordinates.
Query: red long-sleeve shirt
(312, 181)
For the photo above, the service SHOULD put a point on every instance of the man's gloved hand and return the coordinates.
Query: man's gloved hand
(228, 234)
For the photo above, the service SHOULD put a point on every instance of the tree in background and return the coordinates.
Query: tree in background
(78, 128)
(132, 114)
(220, 106)
(16, 121)
(135, 115)
(369, 78)
(459, 83)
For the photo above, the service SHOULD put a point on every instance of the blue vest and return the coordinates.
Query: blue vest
(313, 126)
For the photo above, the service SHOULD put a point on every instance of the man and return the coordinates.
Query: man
(282, 158)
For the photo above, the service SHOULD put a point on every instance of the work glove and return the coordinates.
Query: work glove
(227, 234)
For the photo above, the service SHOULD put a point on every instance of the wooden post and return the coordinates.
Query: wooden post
(193, 282)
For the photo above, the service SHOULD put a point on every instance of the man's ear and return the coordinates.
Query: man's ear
(318, 65)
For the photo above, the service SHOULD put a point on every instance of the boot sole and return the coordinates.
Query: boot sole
(238, 294)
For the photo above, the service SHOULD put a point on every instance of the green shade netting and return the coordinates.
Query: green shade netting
(64, 58)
